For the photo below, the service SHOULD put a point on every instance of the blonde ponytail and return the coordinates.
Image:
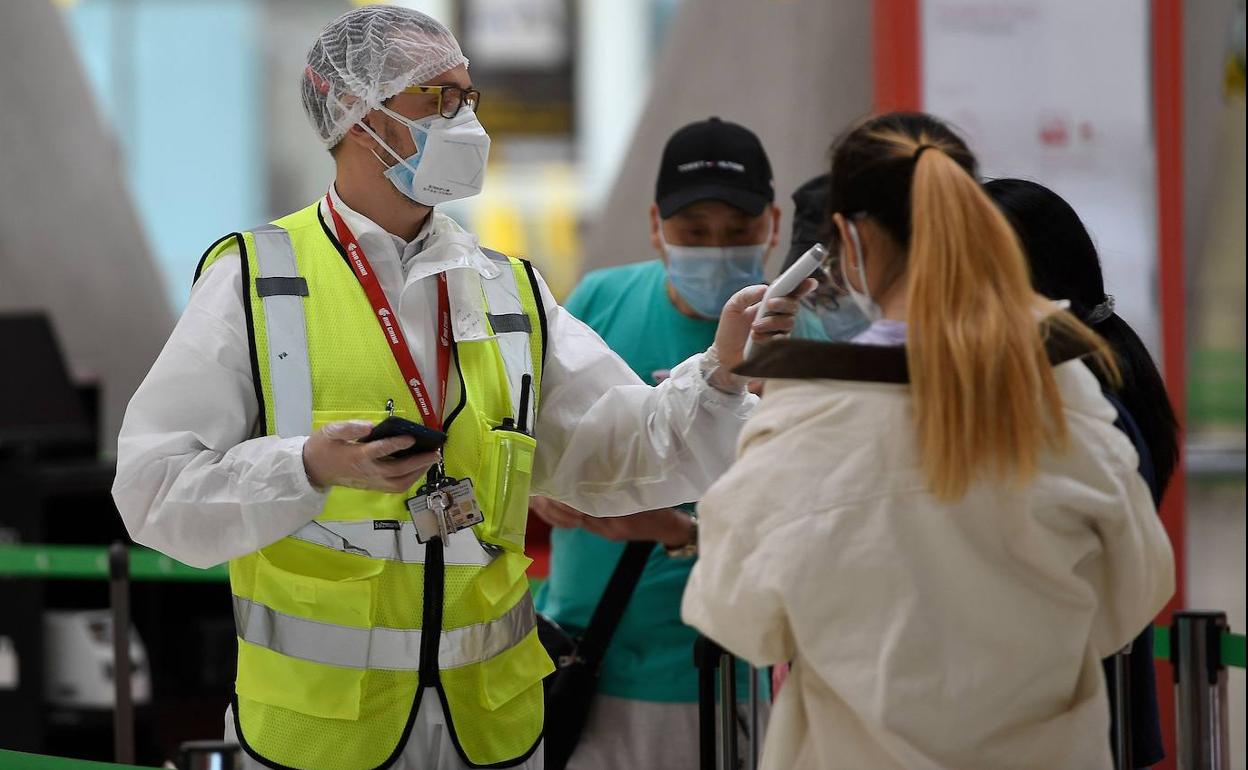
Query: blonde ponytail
(985, 397)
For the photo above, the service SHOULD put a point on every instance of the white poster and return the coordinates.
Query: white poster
(1058, 92)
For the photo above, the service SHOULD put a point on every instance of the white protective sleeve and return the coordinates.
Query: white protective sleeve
(610, 445)
(192, 482)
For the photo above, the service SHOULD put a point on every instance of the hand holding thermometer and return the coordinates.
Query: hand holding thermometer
(790, 280)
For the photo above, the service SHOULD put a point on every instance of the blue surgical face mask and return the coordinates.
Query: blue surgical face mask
(841, 318)
(707, 276)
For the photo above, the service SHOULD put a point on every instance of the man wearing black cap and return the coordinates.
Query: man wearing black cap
(713, 223)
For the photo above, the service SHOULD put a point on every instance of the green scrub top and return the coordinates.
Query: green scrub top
(650, 657)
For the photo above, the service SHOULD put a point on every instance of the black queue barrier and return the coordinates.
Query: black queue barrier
(1200, 678)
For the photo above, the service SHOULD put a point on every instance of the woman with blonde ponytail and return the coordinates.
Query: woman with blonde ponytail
(953, 531)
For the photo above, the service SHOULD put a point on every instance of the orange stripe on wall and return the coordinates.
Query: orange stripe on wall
(897, 55)
(1167, 42)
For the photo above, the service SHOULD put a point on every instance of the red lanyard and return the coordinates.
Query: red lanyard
(390, 324)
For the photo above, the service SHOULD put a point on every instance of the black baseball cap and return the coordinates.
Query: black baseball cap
(714, 159)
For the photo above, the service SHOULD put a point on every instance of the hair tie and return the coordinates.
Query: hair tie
(1101, 311)
(919, 151)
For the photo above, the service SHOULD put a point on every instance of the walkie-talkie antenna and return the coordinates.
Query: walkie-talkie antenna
(522, 419)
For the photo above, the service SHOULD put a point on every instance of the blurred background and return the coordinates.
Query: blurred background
(134, 133)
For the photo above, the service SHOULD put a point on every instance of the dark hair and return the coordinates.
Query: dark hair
(870, 176)
(810, 222)
(1064, 265)
(873, 167)
(984, 394)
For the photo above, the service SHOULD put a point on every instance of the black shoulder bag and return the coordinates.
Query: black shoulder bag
(578, 661)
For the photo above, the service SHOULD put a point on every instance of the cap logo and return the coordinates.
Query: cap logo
(698, 165)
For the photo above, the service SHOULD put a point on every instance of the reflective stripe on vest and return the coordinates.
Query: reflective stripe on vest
(287, 332)
(513, 342)
(362, 538)
(385, 648)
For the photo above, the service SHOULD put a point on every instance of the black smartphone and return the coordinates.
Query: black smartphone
(427, 439)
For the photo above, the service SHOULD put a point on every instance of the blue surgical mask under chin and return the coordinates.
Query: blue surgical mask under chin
(707, 276)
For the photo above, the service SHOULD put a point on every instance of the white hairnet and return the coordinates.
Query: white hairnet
(366, 56)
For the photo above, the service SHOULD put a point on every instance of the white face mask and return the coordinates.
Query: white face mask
(869, 307)
(449, 162)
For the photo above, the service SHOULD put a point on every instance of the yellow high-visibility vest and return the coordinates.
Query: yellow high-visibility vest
(342, 624)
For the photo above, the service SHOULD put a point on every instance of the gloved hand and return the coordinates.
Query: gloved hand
(741, 319)
(333, 456)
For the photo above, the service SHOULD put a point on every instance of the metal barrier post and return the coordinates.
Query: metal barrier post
(119, 598)
(706, 655)
(1121, 723)
(756, 737)
(1200, 690)
(728, 711)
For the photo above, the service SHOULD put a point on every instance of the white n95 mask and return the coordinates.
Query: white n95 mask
(449, 162)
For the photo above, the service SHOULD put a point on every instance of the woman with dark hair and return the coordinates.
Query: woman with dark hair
(1064, 265)
(938, 522)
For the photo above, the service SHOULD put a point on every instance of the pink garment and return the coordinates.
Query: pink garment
(779, 673)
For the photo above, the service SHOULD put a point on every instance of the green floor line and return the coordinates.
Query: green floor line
(17, 760)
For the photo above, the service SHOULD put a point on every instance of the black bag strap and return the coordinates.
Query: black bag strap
(610, 609)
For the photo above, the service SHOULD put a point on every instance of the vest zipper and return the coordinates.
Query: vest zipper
(435, 570)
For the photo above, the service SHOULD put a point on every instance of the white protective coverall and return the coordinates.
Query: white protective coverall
(194, 482)
(926, 634)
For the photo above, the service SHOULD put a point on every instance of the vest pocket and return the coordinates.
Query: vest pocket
(497, 705)
(304, 640)
(508, 476)
(510, 674)
(313, 689)
(501, 589)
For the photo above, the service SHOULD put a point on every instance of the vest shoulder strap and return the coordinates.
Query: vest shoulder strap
(534, 287)
(515, 305)
(280, 289)
(214, 252)
(305, 217)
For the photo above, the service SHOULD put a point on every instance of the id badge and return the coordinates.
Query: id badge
(443, 509)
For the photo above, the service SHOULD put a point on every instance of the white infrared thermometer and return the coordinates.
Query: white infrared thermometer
(790, 280)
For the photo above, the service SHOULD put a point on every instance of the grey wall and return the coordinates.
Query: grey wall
(1206, 36)
(70, 241)
(796, 72)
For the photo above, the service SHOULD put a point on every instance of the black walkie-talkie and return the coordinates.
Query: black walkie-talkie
(520, 424)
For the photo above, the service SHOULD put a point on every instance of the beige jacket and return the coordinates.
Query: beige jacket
(927, 635)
